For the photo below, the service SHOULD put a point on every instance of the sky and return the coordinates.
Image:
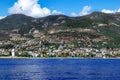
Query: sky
(42, 8)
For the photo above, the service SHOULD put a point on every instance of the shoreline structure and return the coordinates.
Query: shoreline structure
(57, 58)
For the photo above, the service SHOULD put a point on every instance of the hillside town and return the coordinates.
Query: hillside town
(39, 44)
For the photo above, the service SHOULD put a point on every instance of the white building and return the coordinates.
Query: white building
(13, 52)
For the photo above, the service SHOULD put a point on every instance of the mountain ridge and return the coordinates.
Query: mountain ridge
(96, 26)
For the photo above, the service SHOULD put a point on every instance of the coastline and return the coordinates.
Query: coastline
(53, 58)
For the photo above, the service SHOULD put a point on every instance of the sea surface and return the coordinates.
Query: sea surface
(60, 69)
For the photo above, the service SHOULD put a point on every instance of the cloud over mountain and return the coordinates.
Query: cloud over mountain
(55, 12)
(84, 11)
(110, 11)
(74, 14)
(31, 8)
(1, 17)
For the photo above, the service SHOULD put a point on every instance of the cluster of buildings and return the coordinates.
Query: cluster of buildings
(39, 44)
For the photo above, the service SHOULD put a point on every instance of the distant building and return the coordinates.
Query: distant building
(13, 52)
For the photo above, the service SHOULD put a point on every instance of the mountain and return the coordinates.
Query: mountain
(95, 28)
(16, 21)
(23, 22)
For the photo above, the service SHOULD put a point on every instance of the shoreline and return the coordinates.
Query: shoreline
(53, 58)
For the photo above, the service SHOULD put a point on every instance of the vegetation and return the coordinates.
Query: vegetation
(82, 22)
(25, 23)
(7, 46)
(24, 55)
(5, 54)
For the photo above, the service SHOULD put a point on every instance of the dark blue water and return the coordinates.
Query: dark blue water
(59, 69)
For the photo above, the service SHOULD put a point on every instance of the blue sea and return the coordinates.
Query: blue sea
(60, 69)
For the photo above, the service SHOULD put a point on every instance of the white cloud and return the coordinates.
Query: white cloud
(119, 10)
(73, 14)
(1, 17)
(31, 8)
(55, 12)
(110, 11)
(85, 10)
